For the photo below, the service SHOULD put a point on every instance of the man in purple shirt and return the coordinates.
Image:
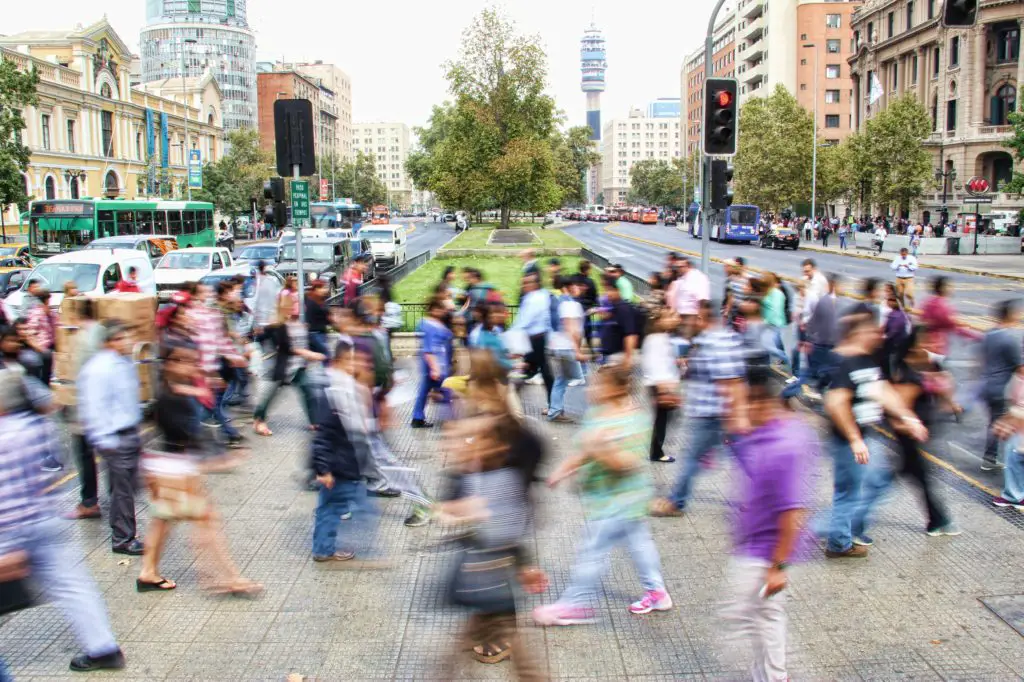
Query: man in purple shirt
(775, 458)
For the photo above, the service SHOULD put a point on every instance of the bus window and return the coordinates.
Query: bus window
(174, 222)
(125, 223)
(206, 219)
(143, 222)
(106, 224)
(159, 222)
(188, 220)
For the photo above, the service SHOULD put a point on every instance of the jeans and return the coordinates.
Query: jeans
(856, 490)
(603, 535)
(86, 471)
(301, 383)
(820, 362)
(751, 618)
(566, 368)
(662, 417)
(57, 568)
(706, 434)
(345, 496)
(771, 341)
(219, 414)
(122, 475)
(318, 343)
(915, 466)
(1013, 475)
(842, 241)
(996, 409)
(419, 409)
(536, 361)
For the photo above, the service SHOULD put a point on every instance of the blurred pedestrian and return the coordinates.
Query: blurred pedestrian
(620, 334)
(564, 346)
(1009, 428)
(535, 320)
(88, 341)
(316, 316)
(660, 364)
(129, 284)
(41, 334)
(1000, 352)
(435, 347)
(587, 299)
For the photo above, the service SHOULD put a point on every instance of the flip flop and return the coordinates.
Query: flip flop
(162, 585)
(666, 459)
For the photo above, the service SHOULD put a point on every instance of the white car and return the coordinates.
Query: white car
(180, 267)
(95, 271)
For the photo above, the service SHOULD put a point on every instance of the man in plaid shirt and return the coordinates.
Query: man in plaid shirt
(210, 333)
(715, 400)
(29, 529)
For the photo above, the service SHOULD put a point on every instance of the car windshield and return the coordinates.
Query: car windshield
(183, 260)
(323, 252)
(8, 251)
(378, 236)
(55, 275)
(258, 253)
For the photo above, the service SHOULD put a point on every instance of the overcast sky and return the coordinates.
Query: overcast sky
(393, 50)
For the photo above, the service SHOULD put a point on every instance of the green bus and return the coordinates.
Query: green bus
(59, 225)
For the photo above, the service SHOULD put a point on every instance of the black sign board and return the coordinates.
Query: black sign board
(293, 135)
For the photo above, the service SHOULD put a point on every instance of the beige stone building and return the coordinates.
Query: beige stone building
(92, 134)
(624, 141)
(389, 144)
(967, 79)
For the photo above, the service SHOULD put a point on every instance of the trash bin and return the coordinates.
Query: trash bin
(953, 246)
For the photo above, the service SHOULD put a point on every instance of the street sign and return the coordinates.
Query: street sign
(300, 201)
(977, 186)
(977, 200)
(195, 169)
(323, 189)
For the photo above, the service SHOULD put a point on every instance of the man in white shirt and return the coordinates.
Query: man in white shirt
(905, 266)
(690, 288)
(880, 235)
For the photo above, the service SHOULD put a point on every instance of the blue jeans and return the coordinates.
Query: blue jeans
(345, 496)
(419, 409)
(817, 373)
(857, 489)
(706, 434)
(220, 402)
(842, 241)
(566, 368)
(57, 567)
(1013, 475)
(318, 344)
(603, 535)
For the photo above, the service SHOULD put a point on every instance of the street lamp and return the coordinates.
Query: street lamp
(814, 140)
(184, 95)
(945, 177)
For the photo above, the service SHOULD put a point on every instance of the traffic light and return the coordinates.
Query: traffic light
(720, 117)
(273, 189)
(959, 13)
(275, 213)
(721, 184)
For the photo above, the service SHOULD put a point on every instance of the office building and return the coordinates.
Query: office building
(203, 35)
(338, 83)
(967, 79)
(388, 143)
(692, 80)
(625, 141)
(283, 83)
(664, 107)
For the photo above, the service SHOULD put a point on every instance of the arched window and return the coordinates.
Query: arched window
(954, 51)
(110, 184)
(1003, 104)
(51, 187)
(74, 188)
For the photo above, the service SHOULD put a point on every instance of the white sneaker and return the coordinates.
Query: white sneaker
(535, 380)
(578, 382)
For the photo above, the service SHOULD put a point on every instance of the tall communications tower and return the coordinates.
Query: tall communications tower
(592, 66)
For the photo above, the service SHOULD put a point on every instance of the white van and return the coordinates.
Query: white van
(288, 235)
(95, 271)
(388, 243)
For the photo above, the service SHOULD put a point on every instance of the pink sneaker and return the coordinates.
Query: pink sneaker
(655, 600)
(560, 614)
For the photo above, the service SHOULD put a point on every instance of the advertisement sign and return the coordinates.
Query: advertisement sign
(195, 169)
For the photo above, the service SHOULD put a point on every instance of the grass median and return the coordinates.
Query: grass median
(501, 272)
(477, 237)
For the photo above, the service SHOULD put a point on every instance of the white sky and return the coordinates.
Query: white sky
(393, 49)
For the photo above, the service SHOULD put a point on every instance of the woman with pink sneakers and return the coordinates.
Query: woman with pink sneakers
(612, 465)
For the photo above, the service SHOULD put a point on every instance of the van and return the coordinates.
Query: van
(288, 235)
(155, 245)
(388, 243)
(96, 272)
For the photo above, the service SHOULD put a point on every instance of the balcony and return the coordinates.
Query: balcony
(754, 54)
(754, 74)
(753, 10)
(752, 30)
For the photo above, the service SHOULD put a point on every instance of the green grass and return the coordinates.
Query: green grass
(476, 238)
(501, 272)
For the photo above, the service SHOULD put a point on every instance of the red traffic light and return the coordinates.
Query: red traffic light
(723, 98)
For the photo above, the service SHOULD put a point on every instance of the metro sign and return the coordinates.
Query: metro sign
(977, 185)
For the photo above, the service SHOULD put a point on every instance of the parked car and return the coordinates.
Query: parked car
(248, 272)
(179, 267)
(324, 259)
(11, 279)
(96, 272)
(670, 220)
(448, 218)
(781, 238)
(266, 252)
(154, 245)
(15, 250)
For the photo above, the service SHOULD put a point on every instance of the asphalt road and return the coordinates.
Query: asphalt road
(957, 445)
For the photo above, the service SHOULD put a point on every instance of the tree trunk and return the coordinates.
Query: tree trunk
(505, 214)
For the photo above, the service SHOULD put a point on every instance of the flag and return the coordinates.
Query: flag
(876, 91)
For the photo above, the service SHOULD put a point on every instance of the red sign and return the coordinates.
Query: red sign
(977, 185)
(323, 189)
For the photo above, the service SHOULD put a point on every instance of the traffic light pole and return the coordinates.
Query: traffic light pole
(298, 256)
(705, 182)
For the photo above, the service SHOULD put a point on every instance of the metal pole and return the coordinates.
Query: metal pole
(814, 142)
(299, 274)
(184, 97)
(333, 193)
(705, 233)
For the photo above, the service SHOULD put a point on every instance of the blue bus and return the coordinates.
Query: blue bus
(738, 223)
(328, 214)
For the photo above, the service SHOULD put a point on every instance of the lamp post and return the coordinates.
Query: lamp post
(945, 177)
(814, 140)
(184, 96)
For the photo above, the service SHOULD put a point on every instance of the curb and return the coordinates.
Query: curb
(944, 268)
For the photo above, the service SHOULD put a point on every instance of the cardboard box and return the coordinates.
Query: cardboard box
(64, 340)
(132, 309)
(62, 366)
(64, 394)
(147, 389)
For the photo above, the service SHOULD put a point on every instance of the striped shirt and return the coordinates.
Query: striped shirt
(717, 355)
(211, 337)
(27, 439)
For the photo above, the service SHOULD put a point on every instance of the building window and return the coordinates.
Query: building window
(803, 86)
(910, 16)
(105, 91)
(890, 23)
(51, 187)
(935, 112)
(74, 188)
(833, 20)
(832, 45)
(1003, 104)
(832, 71)
(913, 69)
(803, 36)
(936, 59)
(831, 97)
(931, 9)
(44, 126)
(71, 135)
(951, 115)
(107, 126)
(803, 62)
(871, 32)
(954, 51)
(832, 120)
(1007, 44)
(895, 75)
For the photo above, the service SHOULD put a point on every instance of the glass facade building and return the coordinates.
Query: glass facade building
(223, 44)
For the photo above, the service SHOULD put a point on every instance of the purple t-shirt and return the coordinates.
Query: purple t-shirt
(776, 463)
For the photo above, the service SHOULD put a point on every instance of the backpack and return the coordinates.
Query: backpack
(553, 302)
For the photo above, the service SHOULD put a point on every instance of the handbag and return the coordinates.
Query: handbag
(175, 485)
(15, 594)
(483, 580)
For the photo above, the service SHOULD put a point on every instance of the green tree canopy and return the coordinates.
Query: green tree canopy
(899, 164)
(656, 182)
(17, 91)
(1016, 143)
(574, 155)
(233, 179)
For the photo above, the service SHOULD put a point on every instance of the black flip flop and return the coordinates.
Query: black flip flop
(161, 586)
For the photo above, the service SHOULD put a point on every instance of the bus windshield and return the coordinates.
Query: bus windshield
(55, 275)
(56, 235)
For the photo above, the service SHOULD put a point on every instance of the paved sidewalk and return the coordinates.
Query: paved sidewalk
(1010, 266)
(910, 611)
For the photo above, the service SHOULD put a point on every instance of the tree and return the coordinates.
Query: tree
(688, 169)
(574, 156)
(655, 182)
(773, 159)
(17, 91)
(237, 176)
(1016, 143)
(900, 165)
(491, 147)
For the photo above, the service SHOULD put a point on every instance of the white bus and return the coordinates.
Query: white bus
(597, 209)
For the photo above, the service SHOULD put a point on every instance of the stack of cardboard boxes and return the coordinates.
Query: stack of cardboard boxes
(137, 311)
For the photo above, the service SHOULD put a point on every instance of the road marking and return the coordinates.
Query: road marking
(964, 450)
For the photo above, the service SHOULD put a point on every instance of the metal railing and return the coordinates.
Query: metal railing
(395, 275)
(413, 314)
(640, 284)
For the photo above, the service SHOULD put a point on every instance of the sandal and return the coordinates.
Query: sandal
(238, 588)
(664, 507)
(161, 585)
(492, 652)
(261, 429)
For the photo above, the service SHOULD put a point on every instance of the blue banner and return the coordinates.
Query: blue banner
(165, 143)
(150, 149)
(195, 169)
